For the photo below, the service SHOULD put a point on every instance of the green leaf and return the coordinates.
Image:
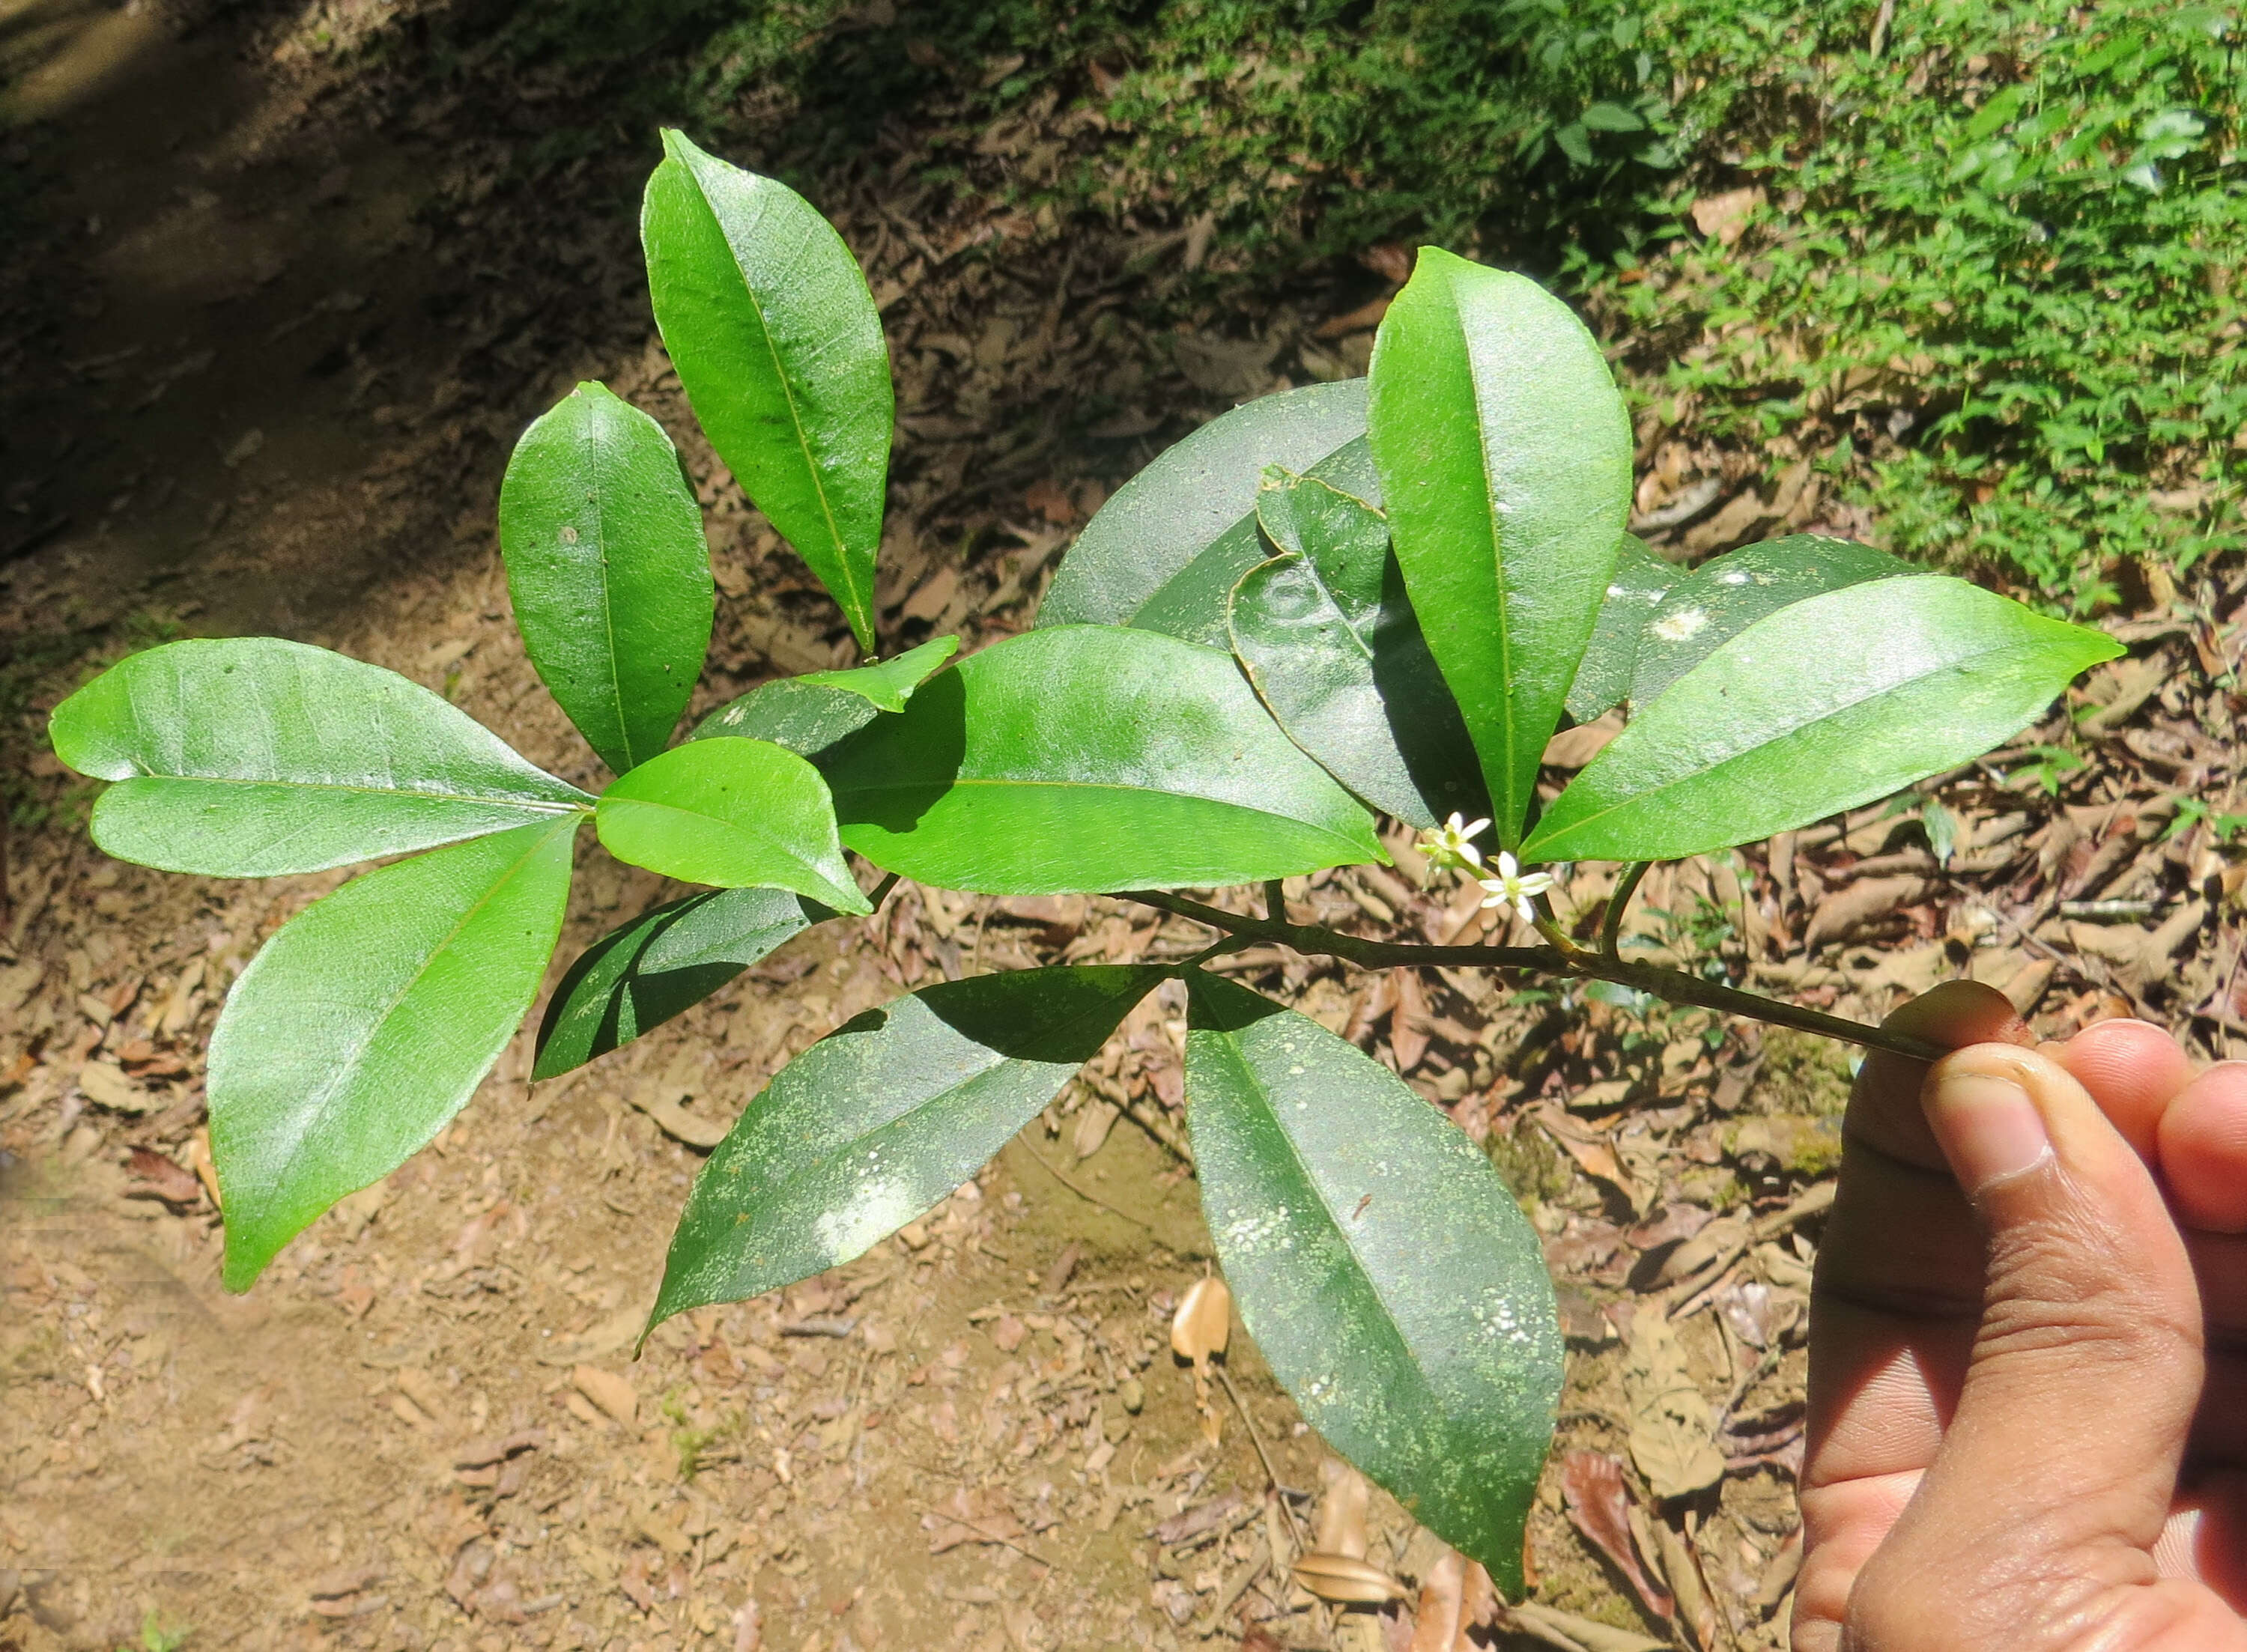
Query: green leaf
(1387, 1275)
(251, 757)
(1089, 758)
(361, 1028)
(1830, 703)
(804, 716)
(1727, 594)
(608, 569)
(1635, 589)
(663, 962)
(1611, 117)
(809, 713)
(1505, 457)
(1329, 639)
(888, 685)
(1196, 604)
(1196, 493)
(885, 1116)
(737, 813)
(776, 336)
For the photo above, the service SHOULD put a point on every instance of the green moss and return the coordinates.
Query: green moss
(1801, 1073)
(1533, 1167)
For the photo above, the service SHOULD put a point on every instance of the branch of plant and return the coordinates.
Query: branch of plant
(1675, 986)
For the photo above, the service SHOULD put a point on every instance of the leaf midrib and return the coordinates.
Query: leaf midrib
(347, 1068)
(608, 598)
(532, 805)
(1091, 785)
(859, 599)
(725, 823)
(1358, 1258)
(1637, 798)
(895, 1121)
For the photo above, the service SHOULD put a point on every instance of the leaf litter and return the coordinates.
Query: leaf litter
(436, 1376)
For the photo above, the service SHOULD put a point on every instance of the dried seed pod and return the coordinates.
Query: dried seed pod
(1203, 1324)
(1344, 1582)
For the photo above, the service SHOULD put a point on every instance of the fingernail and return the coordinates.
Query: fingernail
(1988, 1126)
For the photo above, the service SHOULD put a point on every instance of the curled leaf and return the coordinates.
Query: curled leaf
(1345, 1582)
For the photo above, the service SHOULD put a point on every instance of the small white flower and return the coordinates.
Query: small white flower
(1451, 844)
(1512, 887)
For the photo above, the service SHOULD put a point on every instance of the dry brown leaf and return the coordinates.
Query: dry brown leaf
(1592, 1153)
(1093, 1120)
(1203, 1323)
(159, 1177)
(1723, 216)
(1695, 1610)
(1342, 1511)
(1599, 1507)
(1672, 1430)
(2138, 956)
(1851, 907)
(199, 1161)
(604, 1337)
(1572, 1633)
(612, 1393)
(1408, 1021)
(1346, 1581)
(1439, 1620)
(662, 1102)
(105, 1086)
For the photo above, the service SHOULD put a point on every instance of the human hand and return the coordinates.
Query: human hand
(2028, 1349)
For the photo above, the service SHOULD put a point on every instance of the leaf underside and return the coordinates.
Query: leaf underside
(1195, 492)
(1329, 639)
(367, 1022)
(662, 963)
(251, 757)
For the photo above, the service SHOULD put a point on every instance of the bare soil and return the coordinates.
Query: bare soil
(270, 329)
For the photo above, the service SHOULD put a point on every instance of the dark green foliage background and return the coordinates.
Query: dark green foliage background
(1992, 284)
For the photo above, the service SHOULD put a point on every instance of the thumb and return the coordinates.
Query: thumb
(2057, 1469)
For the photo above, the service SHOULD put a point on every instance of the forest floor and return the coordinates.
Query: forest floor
(266, 334)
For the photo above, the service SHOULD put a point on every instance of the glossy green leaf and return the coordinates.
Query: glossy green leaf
(251, 757)
(889, 684)
(608, 571)
(1505, 456)
(1727, 594)
(768, 320)
(1195, 604)
(1329, 639)
(1088, 758)
(1195, 493)
(1830, 703)
(804, 716)
(736, 813)
(885, 1116)
(664, 962)
(1390, 1280)
(1635, 589)
(368, 1022)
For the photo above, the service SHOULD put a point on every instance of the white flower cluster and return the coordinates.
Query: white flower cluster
(1452, 844)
